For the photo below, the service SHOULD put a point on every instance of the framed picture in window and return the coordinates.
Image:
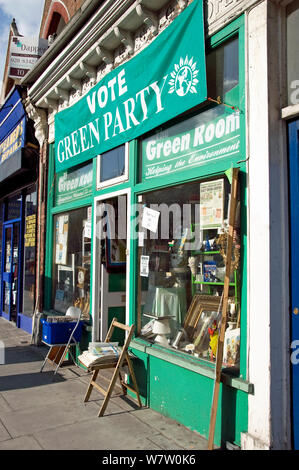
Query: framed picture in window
(115, 255)
(115, 242)
(200, 304)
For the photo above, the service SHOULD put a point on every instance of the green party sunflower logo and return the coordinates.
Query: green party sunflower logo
(183, 78)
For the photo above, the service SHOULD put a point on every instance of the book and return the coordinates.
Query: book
(61, 319)
(100, 353)
(231, 352)
(209, 271)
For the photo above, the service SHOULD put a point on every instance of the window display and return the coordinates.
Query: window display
(182, 251)
(72, 256)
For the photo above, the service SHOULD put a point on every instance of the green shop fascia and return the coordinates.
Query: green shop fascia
(139, 197)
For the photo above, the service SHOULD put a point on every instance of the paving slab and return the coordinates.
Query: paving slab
(43, 390)
(23, 381)
(110, 432)
(19, 368)
(4, 406)
(16, 354)
(21, 443)
(177, 432)
(4, 434)
(39, 418)
(164, 442)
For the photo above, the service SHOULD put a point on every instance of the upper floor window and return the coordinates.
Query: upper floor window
(112, 166)
(223, 68)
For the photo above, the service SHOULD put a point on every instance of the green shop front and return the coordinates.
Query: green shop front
(68, 246)
(144, 238)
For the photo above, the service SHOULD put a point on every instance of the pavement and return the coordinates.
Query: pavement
(43, 411)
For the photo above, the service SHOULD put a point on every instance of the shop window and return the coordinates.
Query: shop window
(181, 267)
(292, 52)
(112, 166)
(223, 68)
(72, 256)
(29, 251)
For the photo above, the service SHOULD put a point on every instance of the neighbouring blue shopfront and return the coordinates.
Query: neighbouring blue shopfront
(18, 211)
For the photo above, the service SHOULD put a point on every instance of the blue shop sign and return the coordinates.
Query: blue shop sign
(12, 126)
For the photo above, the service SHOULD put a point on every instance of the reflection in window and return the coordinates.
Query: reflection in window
(112, 164)
(223, 68)
(72, 256)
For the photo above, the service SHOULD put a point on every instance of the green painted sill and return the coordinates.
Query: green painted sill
(190, 363)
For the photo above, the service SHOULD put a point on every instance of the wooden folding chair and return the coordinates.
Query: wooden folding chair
(123, 359)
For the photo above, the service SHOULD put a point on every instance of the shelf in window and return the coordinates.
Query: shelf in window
(213, 283)
(206, 253)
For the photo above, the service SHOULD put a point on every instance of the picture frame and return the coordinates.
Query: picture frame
(115, 255)
(81, 277)
(115, 248)
(204, 312)
(198, 304)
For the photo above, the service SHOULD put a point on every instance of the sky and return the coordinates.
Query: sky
(27, 13)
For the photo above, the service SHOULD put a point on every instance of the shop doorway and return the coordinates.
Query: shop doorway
(10, 271)
(111, 274)
(294, 220)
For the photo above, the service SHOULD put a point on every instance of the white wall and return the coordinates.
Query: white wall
(268, 319)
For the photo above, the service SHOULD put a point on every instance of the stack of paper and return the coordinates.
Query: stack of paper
(100, 353)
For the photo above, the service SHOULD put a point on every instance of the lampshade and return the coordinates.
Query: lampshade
(161, 326)
(73, 312)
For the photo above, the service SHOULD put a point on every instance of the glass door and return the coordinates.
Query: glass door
(10, 262)
(112, 261)
(6, 271)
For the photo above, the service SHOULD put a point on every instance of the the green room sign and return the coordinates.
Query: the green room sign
(73, 185)
(164, 80)
(207, 142)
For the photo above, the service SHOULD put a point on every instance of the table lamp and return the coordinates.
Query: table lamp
(161, 328)
(73, 312)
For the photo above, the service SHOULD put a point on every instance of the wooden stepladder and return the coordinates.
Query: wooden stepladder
(116, 364)
(219, 356)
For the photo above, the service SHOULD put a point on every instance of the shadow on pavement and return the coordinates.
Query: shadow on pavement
(29, 380)
(19, 354)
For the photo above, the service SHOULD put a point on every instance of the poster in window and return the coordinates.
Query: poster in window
(115, 247)
(30, 229)
(62, 224)
(211, 204)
